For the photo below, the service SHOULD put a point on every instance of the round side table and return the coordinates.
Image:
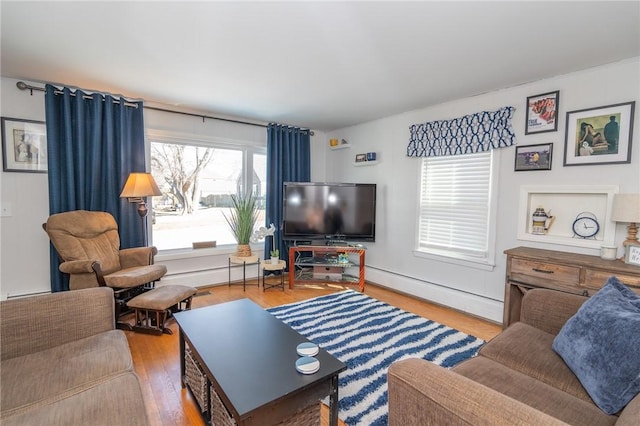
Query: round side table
(268, 266)
(244, 261)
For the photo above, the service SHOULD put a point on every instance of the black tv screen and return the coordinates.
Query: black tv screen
(321, 211)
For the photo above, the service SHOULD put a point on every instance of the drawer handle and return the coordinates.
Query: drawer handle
(543, 271)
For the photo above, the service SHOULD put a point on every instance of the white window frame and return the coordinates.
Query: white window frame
(455, 256)
(248, 148)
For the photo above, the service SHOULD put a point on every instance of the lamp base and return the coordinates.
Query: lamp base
(632, 235)
(142, 209)
(142, 212)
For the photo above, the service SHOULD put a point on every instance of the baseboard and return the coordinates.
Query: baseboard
(479, 306)
(210, 277)
(462, 301)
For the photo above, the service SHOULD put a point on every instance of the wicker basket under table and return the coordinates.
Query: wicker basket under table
(196, 380)
(220, 416)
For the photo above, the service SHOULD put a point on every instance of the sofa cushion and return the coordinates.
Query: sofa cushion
(600, 344)
(527, 349)
(532, 392)
(36, 378)
(115, 401)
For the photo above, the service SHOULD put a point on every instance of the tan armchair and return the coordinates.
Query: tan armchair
(88, 245)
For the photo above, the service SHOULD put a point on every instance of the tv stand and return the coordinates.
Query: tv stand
(323, 257)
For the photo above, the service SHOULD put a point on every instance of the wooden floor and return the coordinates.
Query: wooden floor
(156, 358)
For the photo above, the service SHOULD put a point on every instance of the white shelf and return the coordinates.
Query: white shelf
(341, 146)
(366, 163)
(565, 203)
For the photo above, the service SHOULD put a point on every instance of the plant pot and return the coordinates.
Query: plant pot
(243, 250)
(275, 260)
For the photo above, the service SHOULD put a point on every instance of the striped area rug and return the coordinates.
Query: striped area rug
(368, 336)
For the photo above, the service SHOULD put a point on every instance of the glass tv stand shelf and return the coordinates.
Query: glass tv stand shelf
(323, 258)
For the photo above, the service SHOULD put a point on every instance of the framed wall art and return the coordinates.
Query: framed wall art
(24, 145)
(600, 135)
(542, 113)
(533, 157)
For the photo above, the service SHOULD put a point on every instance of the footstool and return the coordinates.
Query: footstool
(154, 307)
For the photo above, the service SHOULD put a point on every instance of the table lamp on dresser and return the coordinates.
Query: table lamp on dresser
(626, 209)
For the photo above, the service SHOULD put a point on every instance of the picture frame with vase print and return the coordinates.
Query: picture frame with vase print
(24, 145)
(600, 135)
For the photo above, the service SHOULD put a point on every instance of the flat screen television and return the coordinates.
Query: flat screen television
(329, 211)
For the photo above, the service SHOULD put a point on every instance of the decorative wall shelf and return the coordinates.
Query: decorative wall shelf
(565, 203)
(366, 163)
(341, 146)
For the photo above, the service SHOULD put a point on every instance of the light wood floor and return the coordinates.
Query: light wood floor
(156, 358)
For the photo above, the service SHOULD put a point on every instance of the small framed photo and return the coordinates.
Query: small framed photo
(632, 256)
(600, 135)
(24, 145)
(533, 157)
(542, 113)
(361, 157)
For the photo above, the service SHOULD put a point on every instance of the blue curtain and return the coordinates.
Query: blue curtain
(93, 143)
(288, 160)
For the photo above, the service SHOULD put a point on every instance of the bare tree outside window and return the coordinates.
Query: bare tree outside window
(196, 183)
(178, 167)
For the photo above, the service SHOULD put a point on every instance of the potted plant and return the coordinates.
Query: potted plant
(263, 233)
(242, 219)
(275, 255)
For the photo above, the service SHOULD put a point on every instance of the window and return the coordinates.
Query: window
(197, 179)
(456, 207)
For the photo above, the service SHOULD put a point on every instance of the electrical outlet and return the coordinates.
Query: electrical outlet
(5, 210)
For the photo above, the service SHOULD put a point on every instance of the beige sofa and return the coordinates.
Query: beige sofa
(64, 363)
(517, 378)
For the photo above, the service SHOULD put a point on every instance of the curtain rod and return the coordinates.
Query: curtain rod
(24, 86)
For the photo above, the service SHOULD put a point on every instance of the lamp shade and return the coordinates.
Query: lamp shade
(140, 185)
(626, 208)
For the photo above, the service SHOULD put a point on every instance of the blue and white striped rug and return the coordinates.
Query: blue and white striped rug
(368, 336)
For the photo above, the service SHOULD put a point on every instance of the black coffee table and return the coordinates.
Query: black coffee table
(249, 357)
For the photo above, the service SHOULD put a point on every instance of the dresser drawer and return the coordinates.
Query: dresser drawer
(544, 274)
(596, 279)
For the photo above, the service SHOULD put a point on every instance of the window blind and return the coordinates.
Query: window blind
(455, 204)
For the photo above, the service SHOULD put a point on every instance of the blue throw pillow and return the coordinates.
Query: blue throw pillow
(601, 345)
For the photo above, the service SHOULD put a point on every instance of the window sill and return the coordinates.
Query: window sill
(189, 253)
(482, 264)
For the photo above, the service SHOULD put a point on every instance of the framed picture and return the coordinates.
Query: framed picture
(542, 113)
(599, 135)
(533, 157)
(361, 157)
(24, 145)
(633, 254)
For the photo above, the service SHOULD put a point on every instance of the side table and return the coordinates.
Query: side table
(268, 266)
(244, 261)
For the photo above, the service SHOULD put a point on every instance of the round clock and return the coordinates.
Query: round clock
(586, 225)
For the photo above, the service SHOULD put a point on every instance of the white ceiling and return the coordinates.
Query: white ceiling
(323, 65)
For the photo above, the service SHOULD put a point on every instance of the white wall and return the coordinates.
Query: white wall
(24, 246)
(391, 261)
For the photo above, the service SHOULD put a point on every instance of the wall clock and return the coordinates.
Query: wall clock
(586, 225)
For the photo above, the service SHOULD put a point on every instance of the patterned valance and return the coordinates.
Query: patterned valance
(472, 133)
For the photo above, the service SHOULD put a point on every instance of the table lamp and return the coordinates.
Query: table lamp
(136, 189)
(626, 208)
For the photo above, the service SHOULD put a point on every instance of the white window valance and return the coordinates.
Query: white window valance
(472, 133)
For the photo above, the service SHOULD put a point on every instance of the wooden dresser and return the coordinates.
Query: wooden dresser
(529, 268)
